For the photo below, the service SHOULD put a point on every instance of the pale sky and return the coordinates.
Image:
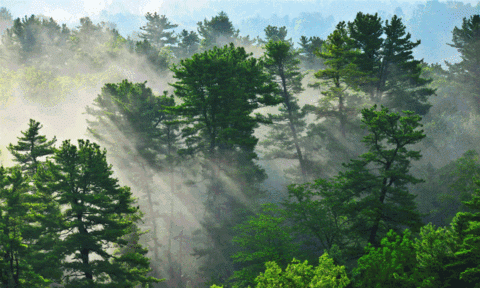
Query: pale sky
(71, 10)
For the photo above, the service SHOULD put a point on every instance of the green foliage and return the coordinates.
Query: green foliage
(460, 177)
(94, 44)
(41, 235)
(220, 90)
(467, 227)
(300, 275)
(308, 47)
(317, 210)
(31, 147)
(378, 180)
(133, 109)
(365, 33)
(32, 38)
(188, 44)
(401, 73)
(156, 30)
(393, 264)
(275, 34)
(340, 76)
(467, 40)
(395, 76)
(18, 210)
(218, 31)
(281, 62)
(96, 212)
(263, 237)
(435, 249)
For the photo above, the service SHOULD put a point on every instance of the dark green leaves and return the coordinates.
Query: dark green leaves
(220, 89)
(31, 148)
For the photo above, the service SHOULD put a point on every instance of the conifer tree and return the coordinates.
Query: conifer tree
(393, 264)
(394, 75)
(220, 89)
(341, 75)
(365, 34)
(156, 31)
(188, 44)
(400, 74)
(378, 180)
(281, 62)
(30, 152)
(262, 238)
(466, 40)
(467, 228)
(31, 148)
(96, 213)
(18, 212)
(150, 137)
(217, 31)
(308, 47)
(274, 33)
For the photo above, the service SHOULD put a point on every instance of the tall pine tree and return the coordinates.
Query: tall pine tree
(378, 180)
(466, 40)
(281, 62)
(386, 58)
(220, 89)
(217, 31)
(149, 141)
(96, 214)
(341, 77)
(157, 31)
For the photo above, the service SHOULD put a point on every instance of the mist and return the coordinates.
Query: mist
(56, 79)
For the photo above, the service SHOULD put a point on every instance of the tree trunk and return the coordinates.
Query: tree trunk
(286, 98)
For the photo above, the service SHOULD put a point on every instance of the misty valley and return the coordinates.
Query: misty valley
(209, 158)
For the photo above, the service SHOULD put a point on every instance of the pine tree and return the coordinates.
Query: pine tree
(18, 212)
(156, 31)
(308, 47)
(341, 75)
(393, 264)
(96, 213)
(281, 62)
(188, 44)
(365, 34)
(30, 152)
(467, 228)
(217, 31)
(394, 75)
(400, 74)
(377, 182)
(220, 89)
(467, 42)
(159, 60)
(31, 148)
(273, 33)
(150, 141)
(262, 238)
(317, 211)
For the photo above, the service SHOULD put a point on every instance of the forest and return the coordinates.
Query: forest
(214, 159)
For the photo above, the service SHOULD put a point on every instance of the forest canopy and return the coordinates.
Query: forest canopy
(214, 159)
